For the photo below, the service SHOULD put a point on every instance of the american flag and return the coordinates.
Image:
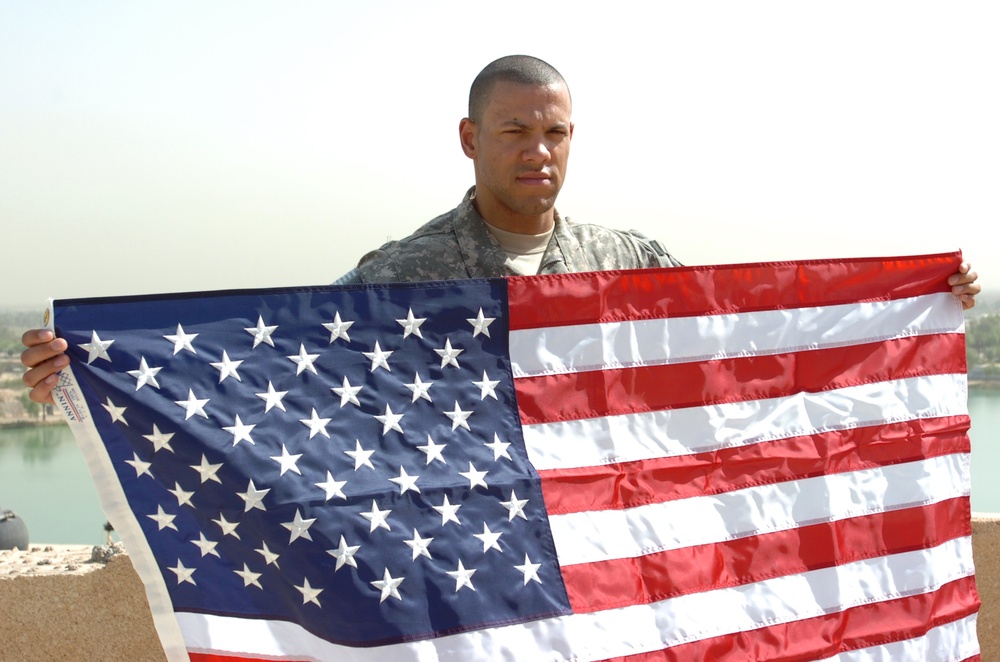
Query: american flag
(765, 461)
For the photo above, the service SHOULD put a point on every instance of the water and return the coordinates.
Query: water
(44, 480)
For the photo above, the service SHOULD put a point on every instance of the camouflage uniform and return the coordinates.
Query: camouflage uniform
(459, 245)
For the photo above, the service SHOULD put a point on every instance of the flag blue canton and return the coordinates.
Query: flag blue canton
(337, 457)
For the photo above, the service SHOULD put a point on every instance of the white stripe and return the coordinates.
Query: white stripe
(624, 631)
(603, 535)
(584, 347)
(673, 432)
(951, 642)
(116, 508)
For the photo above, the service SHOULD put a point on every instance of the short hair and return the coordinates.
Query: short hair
(523, 69)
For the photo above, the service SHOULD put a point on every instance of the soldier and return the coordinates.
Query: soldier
(518, 135)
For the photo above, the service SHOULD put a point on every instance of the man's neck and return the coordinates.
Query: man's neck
(502, 217)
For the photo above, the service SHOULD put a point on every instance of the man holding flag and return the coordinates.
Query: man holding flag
(610, 460)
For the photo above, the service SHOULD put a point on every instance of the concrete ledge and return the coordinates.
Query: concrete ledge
(66, 608)
(57, 605)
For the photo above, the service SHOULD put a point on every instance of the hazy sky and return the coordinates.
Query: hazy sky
(166, 146)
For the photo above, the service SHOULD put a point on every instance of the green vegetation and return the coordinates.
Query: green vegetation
(12, 325)
(982, 346)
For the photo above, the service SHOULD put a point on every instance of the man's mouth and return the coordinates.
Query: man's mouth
(535, 178)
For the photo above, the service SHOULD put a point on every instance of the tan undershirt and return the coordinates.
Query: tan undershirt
(524, 251)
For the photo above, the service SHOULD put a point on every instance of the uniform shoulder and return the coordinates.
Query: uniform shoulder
(595, 238)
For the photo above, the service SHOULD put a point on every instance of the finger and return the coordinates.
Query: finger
(44, 370)
(971, 289)
(968, 301)
(42, 393)
(34, 337)
(38, 353)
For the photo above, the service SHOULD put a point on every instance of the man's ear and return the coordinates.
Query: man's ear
(467, 134)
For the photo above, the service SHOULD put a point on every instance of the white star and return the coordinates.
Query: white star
(162, 519)
(419, 545)
(182, 496)
(481, 324)
(433, 451)
(462, 576)
(489, 539)
(193, 406)
(449, 356)
(287, 461)
(515, 507)
(252, 498)
(529, 570)
(315, 424)
(412, 324)
(309, 594)
(405, 482)
(182, 340)
(183, 574)
(139, 466)
(159, 439)
(419, 388)
(475, 477)
(361, 456)
(249, 577)
(388, 585)
(227, 368)
(344, 554)
(117, 413)
(303, 361)
(145, 375)
(499, 448)
(347, 393)
(377, 517)
(205, 545)
(96, 348)
(272, 398)
(261, 333)
(240, 431)
(228, 528)
(299, 527)
(389, 421)
(459, 418)
(338, 329)
(333, 488)
(379, 358)
(269, 556)
(448, 511)
(206, 470)
(487, 386)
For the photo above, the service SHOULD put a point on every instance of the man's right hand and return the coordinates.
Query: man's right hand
(44, 357)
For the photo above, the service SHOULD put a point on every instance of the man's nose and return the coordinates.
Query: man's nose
(538, 150)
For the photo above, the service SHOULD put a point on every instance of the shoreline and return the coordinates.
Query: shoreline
(9, 424)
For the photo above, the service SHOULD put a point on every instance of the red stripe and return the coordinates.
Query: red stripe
(825, 636)
(596, 393)
(631, 484)
(662, 575)
(584, 298)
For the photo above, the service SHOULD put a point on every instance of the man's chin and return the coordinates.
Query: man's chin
(535, 206)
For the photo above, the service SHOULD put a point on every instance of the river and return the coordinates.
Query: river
(43, 477)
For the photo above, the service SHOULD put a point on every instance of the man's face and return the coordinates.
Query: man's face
(520, 147)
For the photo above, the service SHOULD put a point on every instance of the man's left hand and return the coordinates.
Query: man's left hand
(963, 285)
